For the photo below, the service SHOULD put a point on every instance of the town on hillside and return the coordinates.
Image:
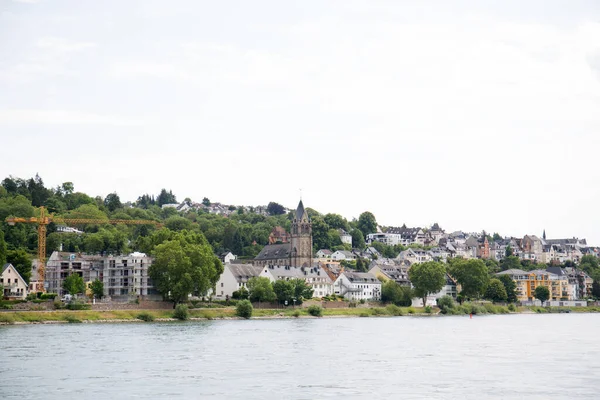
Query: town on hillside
(121, 248)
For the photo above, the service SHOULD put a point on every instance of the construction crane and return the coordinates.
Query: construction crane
(44, 219)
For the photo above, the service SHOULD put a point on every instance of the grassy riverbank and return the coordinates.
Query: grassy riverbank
(64, 316)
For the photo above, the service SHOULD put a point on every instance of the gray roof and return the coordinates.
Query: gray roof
(280, 271)
(5, 266)
(275, 251)
(300, 212)
(513, 272)
(361, 277)
(10, 265)
(243, 272)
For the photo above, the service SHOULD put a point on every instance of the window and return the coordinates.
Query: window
(221, 286)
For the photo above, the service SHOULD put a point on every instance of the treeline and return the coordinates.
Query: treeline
(243, 232)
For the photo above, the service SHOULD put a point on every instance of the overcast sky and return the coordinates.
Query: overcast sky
(477, 115)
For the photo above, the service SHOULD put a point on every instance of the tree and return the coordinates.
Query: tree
(165, 198)
(589, 264)
(112, 202)
(206, 201)
(275, 209)
(260, 289)
(74, 284)
(184, 263)
(358, 239)
(508, 252)
(21, 260)
(392, 292)
(283, 290)
(495, 291)
(244, 309)
(511, 288)
(596, 289)
(367, 223)
(301, 291)
(428, 277)
(2, 249)
(496, 237)
(336, 221)
(510, 262)
(97, 288)
(472, 275)
(240, 294)
(542, 293)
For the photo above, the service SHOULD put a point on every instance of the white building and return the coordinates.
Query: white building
(343, 255)
(358, 286)
(14, 286)
(234, 277)
(227, 257)
(414, 256)
(345, 237)
(323, 254)
(448, 290)
(391, 239)
(315, 277)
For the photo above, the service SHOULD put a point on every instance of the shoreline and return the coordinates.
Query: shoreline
(209, 314)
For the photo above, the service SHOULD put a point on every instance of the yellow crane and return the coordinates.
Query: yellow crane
(44, 219)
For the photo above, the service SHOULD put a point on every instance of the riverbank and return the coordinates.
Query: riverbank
(88, 316)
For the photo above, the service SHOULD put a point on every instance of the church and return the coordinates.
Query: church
(296, 253)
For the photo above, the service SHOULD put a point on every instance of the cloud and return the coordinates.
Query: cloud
(62, 45)
(26, 1)
(61, 117)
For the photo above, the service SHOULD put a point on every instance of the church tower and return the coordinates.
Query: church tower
(301, 239)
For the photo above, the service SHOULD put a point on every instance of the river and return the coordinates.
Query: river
(554, 356)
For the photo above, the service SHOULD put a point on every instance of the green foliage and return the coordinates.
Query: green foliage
(74, 284)
(510, 286)
(48, 296)
(496, 291)
(181, 312)
(275, 209)
(358, 239)
(411, 310)
(472, 275)
(446, 304)
(392, 292)
(510, 262)
(283, 290)
(75, 305)
(387, 250)
(165, 197)
(511, 307)
(367, 223)
(428, 277)
(3, 250)
(315, 310)
(260, 289)
(394, 310)
(112, 202)
(244, 309)
(21, 261)
(428, 310)
(240, 294)
(72, 319)
(542, 293)
(183, 264)
(97, 288)
(145, 316)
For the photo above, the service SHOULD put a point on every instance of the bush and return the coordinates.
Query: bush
(378, 311)
(362, 301)
(78, 306)
(58, 305)
(147, 317)
(446, 303)
(411, 310)
(428, 309)
(364, 314)
(352, 304)
(244, 309)
(394, 310)
(512, 308)
(315, 311)
(296, 313)
(48, 296)
(6, 318)
(72, 320)
(181, 312)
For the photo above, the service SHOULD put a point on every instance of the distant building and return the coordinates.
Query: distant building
(357, 286)
(279, 235)
(13, 284)
(234, 277)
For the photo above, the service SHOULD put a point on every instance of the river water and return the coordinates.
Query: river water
(487, 357)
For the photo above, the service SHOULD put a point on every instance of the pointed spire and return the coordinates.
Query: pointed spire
(544, 235)
(301, 212)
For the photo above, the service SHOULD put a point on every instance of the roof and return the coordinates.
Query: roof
(243, 272)
(301, 212)
(7, 265)
(325, 251)
(274, 251)
(281, 271)
(513, 272)
(361, 277)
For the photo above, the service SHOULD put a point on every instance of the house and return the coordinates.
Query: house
(395, 270)
(323, 254)
(234, 277)
(414, 256)
(343, 255)
(528, 281)
(449, 289)
(227, 257)
(315, 277)
(532, 248)
(14, 286)
(358, 286)
(124, 275)
(279, 235)
(391, 239)
(345, 237)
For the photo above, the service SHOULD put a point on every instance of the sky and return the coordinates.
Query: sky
(478, 115)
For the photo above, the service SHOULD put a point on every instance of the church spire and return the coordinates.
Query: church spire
(301, 213)
(544, 235)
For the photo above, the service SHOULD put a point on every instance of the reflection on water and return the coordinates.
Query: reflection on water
(491, 357)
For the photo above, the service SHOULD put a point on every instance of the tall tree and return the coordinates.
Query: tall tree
(367, 223)
(542, 294)
(472, 275)
(184, 264)
(2, 249)
(275, 209)
(260, 289)
(358, 239)
(283, 290)
(495, 291)
(336, 221)
(206, 201)
(97, 288)
(511, 288)
(112, 202)
(428, 277)
(74, 284)
(165, 198)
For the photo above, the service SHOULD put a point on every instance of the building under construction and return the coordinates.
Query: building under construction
(123, 276)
